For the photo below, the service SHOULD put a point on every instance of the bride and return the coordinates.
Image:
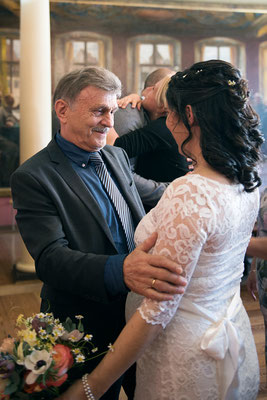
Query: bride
(198, 345)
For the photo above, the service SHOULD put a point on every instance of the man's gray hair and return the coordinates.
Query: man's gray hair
(71, 84)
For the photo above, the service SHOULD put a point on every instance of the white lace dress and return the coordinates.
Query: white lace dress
(206, 350)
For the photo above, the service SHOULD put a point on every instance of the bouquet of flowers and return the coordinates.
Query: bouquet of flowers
(35, 364)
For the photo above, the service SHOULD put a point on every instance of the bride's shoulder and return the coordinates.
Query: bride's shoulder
(189, 186)
(188, 181)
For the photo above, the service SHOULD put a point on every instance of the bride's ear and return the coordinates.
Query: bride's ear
(190, 115)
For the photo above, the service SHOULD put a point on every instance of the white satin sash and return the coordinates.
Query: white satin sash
(221, 342)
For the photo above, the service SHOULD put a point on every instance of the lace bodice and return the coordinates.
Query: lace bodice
(204, 226)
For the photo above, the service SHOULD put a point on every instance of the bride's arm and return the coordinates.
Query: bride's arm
(130, 344)
(134, 338)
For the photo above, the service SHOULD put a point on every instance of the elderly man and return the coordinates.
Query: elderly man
(77, 208)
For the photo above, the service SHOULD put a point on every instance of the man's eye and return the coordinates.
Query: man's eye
(98, 112)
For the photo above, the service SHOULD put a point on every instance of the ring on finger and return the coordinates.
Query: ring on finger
(153, 282)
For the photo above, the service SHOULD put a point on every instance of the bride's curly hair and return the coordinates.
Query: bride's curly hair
(230, 138)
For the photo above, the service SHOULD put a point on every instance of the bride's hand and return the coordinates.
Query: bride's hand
(76, 391)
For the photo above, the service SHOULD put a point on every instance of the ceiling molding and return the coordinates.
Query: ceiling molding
(258, 6)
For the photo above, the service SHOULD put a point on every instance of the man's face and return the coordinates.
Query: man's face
(88, 119)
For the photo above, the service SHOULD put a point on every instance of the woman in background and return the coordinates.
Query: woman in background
(257, 278)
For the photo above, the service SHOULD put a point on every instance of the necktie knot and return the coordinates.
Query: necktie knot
(96, 158)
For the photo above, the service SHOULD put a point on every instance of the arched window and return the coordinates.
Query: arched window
(263, 70)
(9, 64)
(221, 48)
(74, 50)
(149, 52)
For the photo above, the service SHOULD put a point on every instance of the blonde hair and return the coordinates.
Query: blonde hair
(161, 92)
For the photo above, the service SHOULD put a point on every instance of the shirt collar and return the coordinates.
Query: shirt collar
(76, 154)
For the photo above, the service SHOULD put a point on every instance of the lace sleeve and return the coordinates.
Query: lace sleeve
(182, 220)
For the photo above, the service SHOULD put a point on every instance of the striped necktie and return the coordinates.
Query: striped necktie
(116, 197)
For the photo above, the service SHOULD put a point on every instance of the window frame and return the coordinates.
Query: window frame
(61, 63)
(134, 83)
(240, 61)
(8, 88)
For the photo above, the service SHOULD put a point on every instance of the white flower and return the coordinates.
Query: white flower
(37, 362)
(111, 347)
(79, 316)
(40, 315)
(87, 337)
(80, 358)
(42, 332)
(94, 349)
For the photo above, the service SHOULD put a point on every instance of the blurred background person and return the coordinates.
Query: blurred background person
(257, 248)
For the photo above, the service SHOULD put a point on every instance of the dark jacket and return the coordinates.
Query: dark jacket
(66, 234)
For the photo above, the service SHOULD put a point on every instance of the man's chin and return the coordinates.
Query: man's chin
(99, 144)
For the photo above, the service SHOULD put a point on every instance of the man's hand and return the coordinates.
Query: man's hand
(152, 276)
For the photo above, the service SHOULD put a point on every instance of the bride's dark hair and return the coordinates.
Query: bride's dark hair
(230, 139)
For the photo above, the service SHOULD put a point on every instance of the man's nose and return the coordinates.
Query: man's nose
(108, 120)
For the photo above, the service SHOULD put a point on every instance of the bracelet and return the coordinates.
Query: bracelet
(87, 389)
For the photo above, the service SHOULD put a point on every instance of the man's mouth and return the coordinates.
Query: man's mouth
(100, 130)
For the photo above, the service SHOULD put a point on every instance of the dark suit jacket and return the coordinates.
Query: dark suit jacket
(66, 234)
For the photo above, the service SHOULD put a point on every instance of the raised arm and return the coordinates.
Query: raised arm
(151, 137)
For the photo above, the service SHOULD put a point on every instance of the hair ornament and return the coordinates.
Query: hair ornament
(198, 71)
(231, 83)
(184, 76)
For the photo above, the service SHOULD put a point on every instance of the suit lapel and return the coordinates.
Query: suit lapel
(63, 166)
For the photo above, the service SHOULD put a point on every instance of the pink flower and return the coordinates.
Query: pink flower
(63, 361)
(7, 345)
(73, 336)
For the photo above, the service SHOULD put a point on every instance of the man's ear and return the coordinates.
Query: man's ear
(62, 108)
(190, 116)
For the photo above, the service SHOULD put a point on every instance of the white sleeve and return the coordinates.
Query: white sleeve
(182, 219)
